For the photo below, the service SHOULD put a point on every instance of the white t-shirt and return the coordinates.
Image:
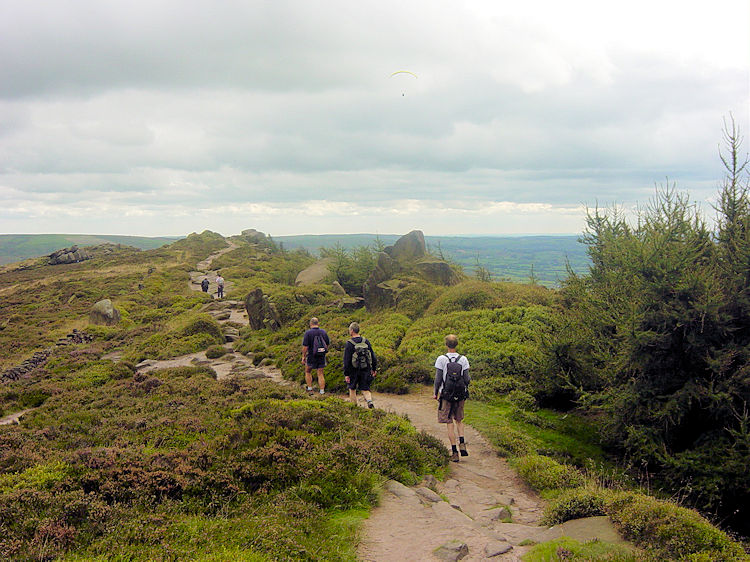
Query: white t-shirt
(442, 361)
(220, 280)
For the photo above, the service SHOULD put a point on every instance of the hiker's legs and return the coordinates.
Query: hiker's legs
(321, 379)
(451, 433)
(368, 395)
(353, 395)
(460, 428)
(308, 376)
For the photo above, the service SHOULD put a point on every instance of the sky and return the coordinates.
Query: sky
(169, 117)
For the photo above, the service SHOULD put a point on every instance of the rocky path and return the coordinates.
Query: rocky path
(489, 510)
(483, 510)
(203, 269)
(231, 314)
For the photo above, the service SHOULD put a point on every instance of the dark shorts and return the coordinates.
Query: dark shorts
(316, 361)
(448, 411)
(360, 380)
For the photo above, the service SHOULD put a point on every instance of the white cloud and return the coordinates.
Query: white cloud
(182, 111)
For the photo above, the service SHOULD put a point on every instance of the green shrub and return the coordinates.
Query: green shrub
(587, 501)
(503, 341)
(522, 400)
(416, 297)
(675, 532)
(479, 295)
(544, 473)
(567, 549)
(491, 388)
(216, 351)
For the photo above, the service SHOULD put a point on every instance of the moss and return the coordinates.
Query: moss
(544, 473)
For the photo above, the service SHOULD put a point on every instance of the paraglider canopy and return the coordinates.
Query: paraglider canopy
(405, 72)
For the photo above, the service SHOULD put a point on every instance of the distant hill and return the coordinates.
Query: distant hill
(18, 247)
(506, 257)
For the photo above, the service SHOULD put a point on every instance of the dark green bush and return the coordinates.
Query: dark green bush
(216, 351)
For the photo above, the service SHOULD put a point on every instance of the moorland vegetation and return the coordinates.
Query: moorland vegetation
(625, 388)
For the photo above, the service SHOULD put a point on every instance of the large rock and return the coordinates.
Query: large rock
(316, 273)
(68, 255)
(254, 236)
(377, 296)
(408, 248)
(104, 313)
(350, 303)
(382, 295)
(261, 312)
(437, 271)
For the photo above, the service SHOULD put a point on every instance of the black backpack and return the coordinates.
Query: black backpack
(319, 347)
(361, 356)
(454, 387)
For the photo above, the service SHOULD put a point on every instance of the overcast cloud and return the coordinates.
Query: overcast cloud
(166, 117)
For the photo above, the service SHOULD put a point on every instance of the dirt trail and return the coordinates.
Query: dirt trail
(409, 526)
(203, 269)
(228, 313)
(490, 513)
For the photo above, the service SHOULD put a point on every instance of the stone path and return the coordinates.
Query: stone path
(14, 418)
(203, 269)
(483, 511)
(229, 313)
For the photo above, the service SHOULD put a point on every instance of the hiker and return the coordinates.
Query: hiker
(219, 285)
(204, 284)
(360, 365)
(451, 390)
(315, 344)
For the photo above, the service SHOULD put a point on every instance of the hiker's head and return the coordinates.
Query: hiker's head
(451, 341)
(354, 328)
(314, 323)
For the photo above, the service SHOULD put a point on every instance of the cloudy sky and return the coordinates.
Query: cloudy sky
(166, 117)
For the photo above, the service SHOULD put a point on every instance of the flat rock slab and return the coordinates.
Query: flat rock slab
(496, 548)
(585, 529)
(316, 273)
(428, 494)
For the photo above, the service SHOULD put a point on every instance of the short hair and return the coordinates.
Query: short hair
(354, 327)
(314, 321)
(451, 341)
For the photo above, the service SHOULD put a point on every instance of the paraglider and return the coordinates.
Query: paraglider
(408, 72)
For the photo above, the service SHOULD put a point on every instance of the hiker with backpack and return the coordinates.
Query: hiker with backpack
(204, 284)
(360, 365)
(315, 344)
(219, 285)
(451, 390)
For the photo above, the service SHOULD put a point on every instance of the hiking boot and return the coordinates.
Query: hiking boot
(370, 404)
(322, 391)
(454, 456)
(462, 448)
(309, 391)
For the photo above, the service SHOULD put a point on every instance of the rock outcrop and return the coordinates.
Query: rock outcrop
(254, 236)
(407, 256)
(68, 255)
(104, 313)
(314, 274)
(261, 312)
(437, 271)
(409, 248)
